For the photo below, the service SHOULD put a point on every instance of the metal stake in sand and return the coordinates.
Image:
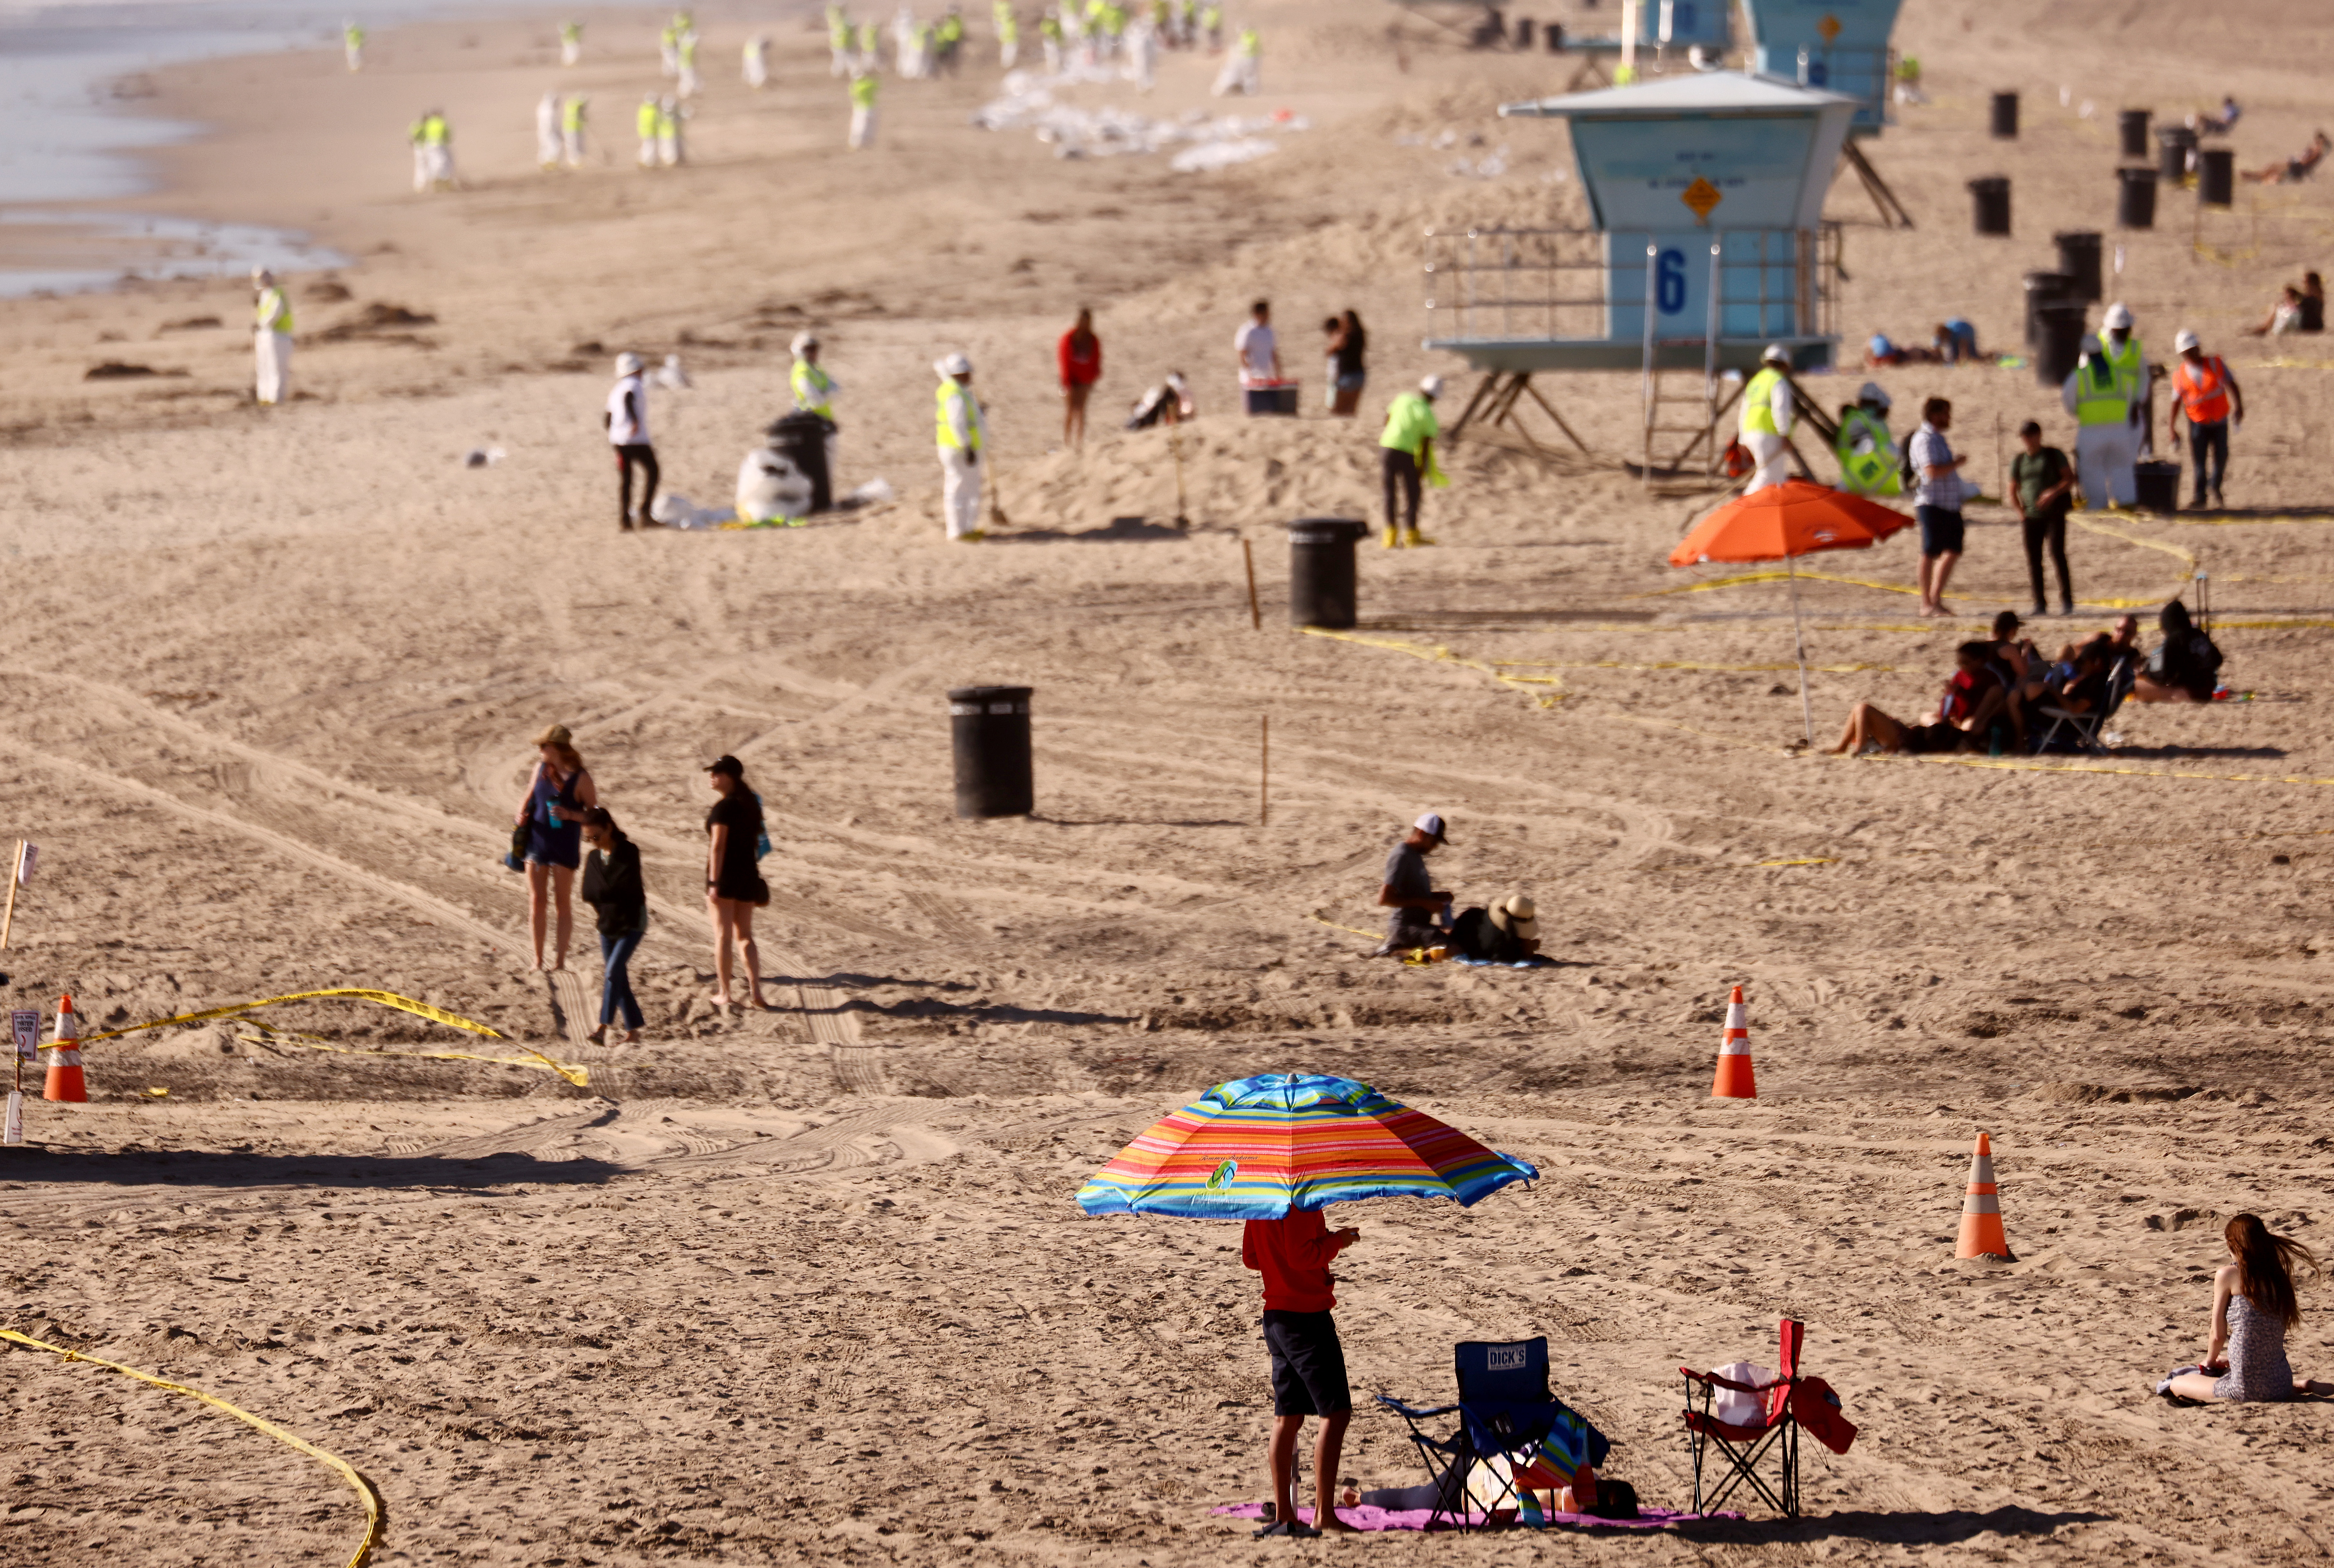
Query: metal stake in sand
(1799, 637)
(1175, 446)
(24, 1032)
(25, 855)
(1255, 615)
(1264, 773)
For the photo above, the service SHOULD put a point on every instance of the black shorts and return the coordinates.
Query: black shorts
(1309, 1364)
(1922, 739)
(1941, 530)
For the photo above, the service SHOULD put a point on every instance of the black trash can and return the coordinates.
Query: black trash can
(2005, 117)
(1323, 587)
(2078, 258)
(2172, 145)
(2136, 197)
(1553, 35)
(2156, 487)
(2216, 177)
(1523, 33)
(990, 726)
(801, 439)
(2044, 289)
(1992, 194)
(2131, 127)
(2058, 342)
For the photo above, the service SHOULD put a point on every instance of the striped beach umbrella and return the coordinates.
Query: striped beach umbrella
(1257, 1148)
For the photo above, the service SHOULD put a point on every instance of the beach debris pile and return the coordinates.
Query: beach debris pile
(1203, 141)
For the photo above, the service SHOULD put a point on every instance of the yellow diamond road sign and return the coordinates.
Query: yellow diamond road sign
(1829, 28)
(1702, 197)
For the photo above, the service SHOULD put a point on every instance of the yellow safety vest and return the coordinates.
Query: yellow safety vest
(2130, 363)
(2099, 398)
(838, 28)
(274, 311)
(863, 90)
(571, 116)
(813, 388)
(1757, 404)
(1872, 473)
(1250, 43)
(435, 130)
(644, 119)
(952, 395)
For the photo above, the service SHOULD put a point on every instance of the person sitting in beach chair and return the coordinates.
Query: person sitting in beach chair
(1516, 1451)
(2299, 166)
(2086, 688)
(1974, 700)
(2220, 121)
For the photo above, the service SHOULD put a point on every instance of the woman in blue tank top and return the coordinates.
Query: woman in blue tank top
(556, 797)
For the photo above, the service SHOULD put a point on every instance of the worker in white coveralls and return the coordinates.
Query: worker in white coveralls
(573, 117)
(2107, 447)
(756, 63)
(862, 110)
(353, 39)
(813, 391)
(1243, 72)
(271, 338)
(1008, 36)
(644, 124)
(571, 43)
(2124, 352)
(548, 145)
(1768, 411)
(962, 440)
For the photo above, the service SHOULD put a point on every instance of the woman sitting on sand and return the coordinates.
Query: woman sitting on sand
(2253, 1305)
(1973, 698)
(2185, 666)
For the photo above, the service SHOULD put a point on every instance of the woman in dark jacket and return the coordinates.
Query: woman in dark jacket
(612, 886)
(734, 888)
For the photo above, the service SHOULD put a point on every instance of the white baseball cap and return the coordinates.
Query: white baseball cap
(802, 340)
(1431, 824)
(628, 364)
(1775, 354)
(1432, 386)
(2185, 342)
(2119, 315)
(1870, 392)
(954, 365)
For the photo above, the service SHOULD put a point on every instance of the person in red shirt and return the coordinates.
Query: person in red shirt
(1080, 353)
(1309, 1364)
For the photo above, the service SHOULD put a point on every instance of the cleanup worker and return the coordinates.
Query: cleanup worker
(1008, 36)
(671, 151)
(839, 39)
(1244, 72)
(418, 134)
(754, 62)
(949, 37)
(571, 128)
(548, 143)
(962, 436)
(571, 43)
(627, 421)
(813, 391)
(353, 39)
(862, 110)
(668, 48)
(2129, 362)
(686, 84)
(2208, 396)
(1768, 410)
(1868, 459)
(438, 137)
(871, 47)
(271, 339)
(644, 122)
(2107, 448)
(1049, 35)
(1212, 22)
(1406, 457)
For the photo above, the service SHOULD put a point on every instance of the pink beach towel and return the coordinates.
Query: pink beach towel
(1368, 1516)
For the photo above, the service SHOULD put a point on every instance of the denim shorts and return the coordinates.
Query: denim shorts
(1941, 530)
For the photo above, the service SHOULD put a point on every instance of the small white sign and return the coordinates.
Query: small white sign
(26, 863)
(24, 1025)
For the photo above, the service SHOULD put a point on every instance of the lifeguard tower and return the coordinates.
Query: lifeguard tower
(1706, 242)
(1841, 46)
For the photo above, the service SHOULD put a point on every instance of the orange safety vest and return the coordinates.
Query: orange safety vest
(2203, 390)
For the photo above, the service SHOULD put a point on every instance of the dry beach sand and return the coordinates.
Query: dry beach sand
(808, 1286)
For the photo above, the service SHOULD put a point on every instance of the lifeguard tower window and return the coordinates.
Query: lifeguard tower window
(1838, 46)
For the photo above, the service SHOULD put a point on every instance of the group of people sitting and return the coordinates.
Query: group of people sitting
(1952, 342)
(2299, 166)
(1420, 920)
(2301, 309)
(2004, 693)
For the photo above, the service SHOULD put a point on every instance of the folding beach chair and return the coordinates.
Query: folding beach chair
(2082, 730)
(1505, 1413)
(1742, 1446)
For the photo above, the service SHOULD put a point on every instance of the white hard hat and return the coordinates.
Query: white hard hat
(2091, 343)
(954, 365)
(1432, 386)
(628, 364)
(802, 340)
(2119, 315)
(2185, 342)
(1870, 392)
(262, 275)
(1775, 354)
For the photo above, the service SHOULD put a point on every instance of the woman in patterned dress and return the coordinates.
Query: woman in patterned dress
(2253, 1304)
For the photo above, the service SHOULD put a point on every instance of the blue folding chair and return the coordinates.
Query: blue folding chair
(1506, 1411)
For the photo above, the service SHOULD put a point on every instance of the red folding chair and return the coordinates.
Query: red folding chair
(1741, 1446)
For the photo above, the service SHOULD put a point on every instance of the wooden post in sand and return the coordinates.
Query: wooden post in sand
(1255, 615)
(16, 879)
(1264, 776)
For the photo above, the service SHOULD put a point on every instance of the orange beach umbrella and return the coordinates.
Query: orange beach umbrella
(1782, 522)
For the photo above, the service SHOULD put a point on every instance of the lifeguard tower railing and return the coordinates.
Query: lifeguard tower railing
(1518, 301)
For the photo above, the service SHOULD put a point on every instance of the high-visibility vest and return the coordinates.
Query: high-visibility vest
(435, 130)
(838, 27)
(571, 32)
(1049, 28)
(869, 37)
(354, 35)
(668, 123)
(2130, 363)
(1251, 45)
(1410, 424)
(2203, 385)
(572, 117)
(956, 403)
(418, 133)
(1872, 473)
(1759, 404)
(645, 118)
(952, 28)
(814, 390)
(689, 50)
(274, 313)
(2098, 394)
(863, 90)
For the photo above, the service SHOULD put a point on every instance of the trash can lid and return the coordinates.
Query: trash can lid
(990, 693)
(1353, 525)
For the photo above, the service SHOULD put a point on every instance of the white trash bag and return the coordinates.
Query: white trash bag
(771, 488)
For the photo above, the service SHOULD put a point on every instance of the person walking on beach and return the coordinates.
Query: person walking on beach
(556, 795)
(1406, 460)
(352, 40)
(734, 887)
(549, 141)
(862, 110)
(644, 126)
(670, 151)
(423, 162)
(1348, 364)
(2042, 484)
(1257, 348)
(2107, 447)
(572, 119)
(813, 393)
(571, 43)
(627, 420)
(2205, 393)
(962, 434)
(438, 137)
(1936, 502)
(756, 61)
(1769, 409)
(271, 339)
(612, 886)
(839, 39)
(1293, 1255)
(1079, 354)
(1009, 34)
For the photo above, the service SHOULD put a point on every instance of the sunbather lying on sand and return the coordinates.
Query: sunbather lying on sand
(1973, 698)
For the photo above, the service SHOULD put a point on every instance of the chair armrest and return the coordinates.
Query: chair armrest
(1715, 1380)
(1391, 1403)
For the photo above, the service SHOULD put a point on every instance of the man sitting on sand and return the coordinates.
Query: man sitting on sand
(1973, 698)
(1421, 914)
(1309, 1364)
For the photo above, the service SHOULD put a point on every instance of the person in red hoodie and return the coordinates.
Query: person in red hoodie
(1309, 1365)
(1080, 353)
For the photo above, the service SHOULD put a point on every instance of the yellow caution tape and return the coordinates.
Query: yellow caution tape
(2281, 521)
(1441, 656)
(1675, 664)
(348, 1472)
(575, 1072)
(385, 999)
(1741, 578)
(2093, 526)
(1333, 924)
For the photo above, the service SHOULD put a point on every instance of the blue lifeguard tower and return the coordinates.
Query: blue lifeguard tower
(1706, 242)
(1840, 46)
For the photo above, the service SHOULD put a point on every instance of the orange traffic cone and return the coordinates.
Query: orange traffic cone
(1982, 1209)
(65, 1082)
(1734, 1080)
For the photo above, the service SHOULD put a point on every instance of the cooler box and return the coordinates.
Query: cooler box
(1272, 398)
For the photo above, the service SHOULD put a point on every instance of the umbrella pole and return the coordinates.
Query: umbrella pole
(1800, 638)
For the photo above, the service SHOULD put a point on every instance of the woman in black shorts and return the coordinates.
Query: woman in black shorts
(734, 887)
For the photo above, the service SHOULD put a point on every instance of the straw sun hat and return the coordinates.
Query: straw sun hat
(556, 735)
(1515, 914)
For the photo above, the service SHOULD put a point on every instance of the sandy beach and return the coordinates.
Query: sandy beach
(809, 1285)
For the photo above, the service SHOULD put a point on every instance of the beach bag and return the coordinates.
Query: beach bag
(1615, 1500)
(1732, 1406)
(516, 858)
